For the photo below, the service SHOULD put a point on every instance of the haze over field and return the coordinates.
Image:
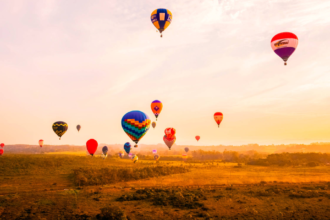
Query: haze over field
(89, 63)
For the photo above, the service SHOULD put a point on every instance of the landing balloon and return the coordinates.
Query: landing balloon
(105, 150)
(218, 116)
(156, 157)
(127, 147)
(41, 143)
(91, 146)
(154, 151)
(135, 158)
(161, 18)
(60, 127)
(284, 44)
(1, 151)
(135, 124)
(2, 144)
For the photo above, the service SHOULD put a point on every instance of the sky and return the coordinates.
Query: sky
(90, 62)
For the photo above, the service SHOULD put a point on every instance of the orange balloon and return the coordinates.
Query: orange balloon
(197, 138)
(156, 107)
(41, 142)
(218, 116)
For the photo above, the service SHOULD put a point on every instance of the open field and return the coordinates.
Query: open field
(43, 187)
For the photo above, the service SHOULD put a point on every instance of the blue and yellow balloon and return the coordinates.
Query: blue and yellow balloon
(161, 18)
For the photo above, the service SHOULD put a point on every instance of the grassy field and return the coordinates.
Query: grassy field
(46, 187)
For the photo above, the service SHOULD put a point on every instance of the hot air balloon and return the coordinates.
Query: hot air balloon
(135, 158)
(156, 157)
(218, 116)
(156, 107)
(130, 155)
(284, 44)
(153, 124)
(2, 144)
(154, 151)
(161, 18)
(197, 138)
(1, 151)
(41, 142)
(169, 141)
(184, 157)
(135, 124)
(121, 154)
(60, 127)
(186, 149)
(91, 145)
(170, 132)
(78, 127)
(105, 151)
(127, 147)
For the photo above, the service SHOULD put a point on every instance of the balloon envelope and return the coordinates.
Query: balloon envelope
(169, 141)
(105, 150)
(78, 127)
(153, 124)
(156, 107)
(1, 151)
(91, 146)
(41, 142)
(60, 127)
(154, 151)
(135, 124)
(2, 144)
(127, 147)
(186, 149)
(284, 44)
(170, 132)
(197, 138)
(218, 116)
(161, 19)
(156, 157)
(135, 158)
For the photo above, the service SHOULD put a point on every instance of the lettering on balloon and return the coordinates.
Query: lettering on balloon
(281, 43)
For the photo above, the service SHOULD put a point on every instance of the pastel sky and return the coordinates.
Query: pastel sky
(89, 62)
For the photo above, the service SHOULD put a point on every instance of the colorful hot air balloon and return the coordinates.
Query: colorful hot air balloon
(197, 138)
(156, 107)
(78, 127)
(135, 158)
(91, 145)
(130, 155)
(41, 142)
(184, 157)
(1, 151)
(161, 18)
(218, 116)
(154, 151)
(127, 147)
(2, 144)
(135, 124)
(121, 154)
(284, 44)
(60, 127)
(153, 124)
(170, 132)
(169, 141)
(156, 157)
(186, 149)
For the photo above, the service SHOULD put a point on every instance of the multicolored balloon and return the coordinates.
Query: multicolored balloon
(184, 157)
(170, 132)
(154, 151)
(91, 145)
(186, 149)
(161, 18)
(60, 127)
(156, 107)
(78, 127)
(127, 147)
(135, 158)
(2, 144)
(169, 141)
(218, 116)
(197, 138)
(153, 124)
(284, 44)
(121, 154)
(41, 142)
(135, 124)
(1, 151)
(156, 157)
(130, 155)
